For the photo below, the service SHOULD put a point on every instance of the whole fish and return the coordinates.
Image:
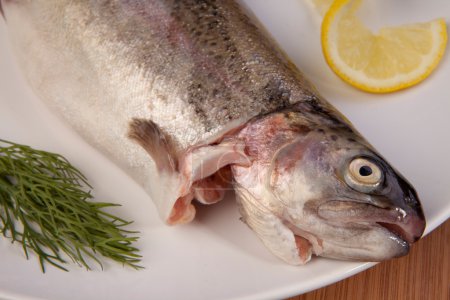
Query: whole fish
(190, 97)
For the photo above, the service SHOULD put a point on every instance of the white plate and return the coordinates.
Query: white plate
(217, 256)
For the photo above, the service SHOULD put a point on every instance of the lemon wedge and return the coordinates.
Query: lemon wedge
(393, 59)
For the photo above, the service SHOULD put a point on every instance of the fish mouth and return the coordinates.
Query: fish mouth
(406, 224)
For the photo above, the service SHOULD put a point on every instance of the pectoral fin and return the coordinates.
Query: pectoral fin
(168, 189)
(147, 134)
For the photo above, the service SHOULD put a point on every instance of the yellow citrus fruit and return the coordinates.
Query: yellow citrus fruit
(393, 59)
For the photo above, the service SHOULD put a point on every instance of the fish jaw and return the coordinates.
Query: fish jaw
(350, 230)
(405, 224)
(298, 174)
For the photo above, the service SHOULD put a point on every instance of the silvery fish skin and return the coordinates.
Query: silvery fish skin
(189, 97)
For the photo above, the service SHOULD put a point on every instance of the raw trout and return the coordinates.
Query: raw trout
(189, 97)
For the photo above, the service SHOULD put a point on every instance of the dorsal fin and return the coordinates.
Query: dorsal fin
(147, 134)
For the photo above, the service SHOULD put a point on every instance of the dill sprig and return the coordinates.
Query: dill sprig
(44, 205)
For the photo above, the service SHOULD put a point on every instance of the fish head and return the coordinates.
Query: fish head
(328, 185)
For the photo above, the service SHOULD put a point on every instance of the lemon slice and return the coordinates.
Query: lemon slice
(393, 59)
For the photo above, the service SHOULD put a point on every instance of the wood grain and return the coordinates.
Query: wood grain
(423, 274)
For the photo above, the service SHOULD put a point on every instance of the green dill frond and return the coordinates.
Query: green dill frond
(44, 205)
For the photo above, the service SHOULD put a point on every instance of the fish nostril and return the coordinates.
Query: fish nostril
(411, 201)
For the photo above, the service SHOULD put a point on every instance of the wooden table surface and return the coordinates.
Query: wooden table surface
(424, 274)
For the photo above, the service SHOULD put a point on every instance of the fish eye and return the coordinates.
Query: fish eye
(363, 175)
